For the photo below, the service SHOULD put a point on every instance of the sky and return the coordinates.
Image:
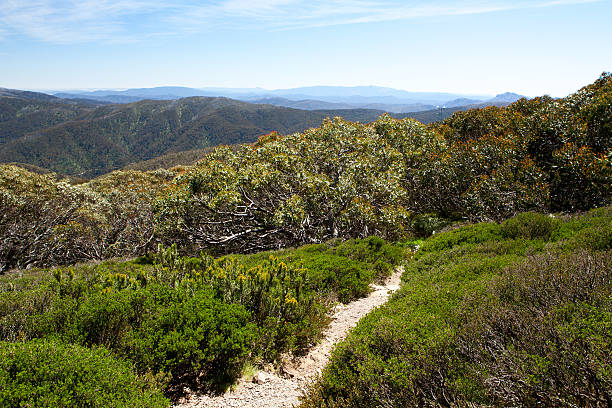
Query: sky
(531, 47)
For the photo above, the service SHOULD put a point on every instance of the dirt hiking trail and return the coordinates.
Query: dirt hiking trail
(282, 389)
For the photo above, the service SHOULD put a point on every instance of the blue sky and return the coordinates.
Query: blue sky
(475, 47)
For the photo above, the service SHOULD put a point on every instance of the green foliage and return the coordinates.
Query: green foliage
(341, 269)
(192, 334)
(352, 180)
(489, 315)
(530, 226)
(44, 373)
(346, 278)
(336, 181)
(288, 313)
(535, 154)
(543, 332)
(472, 234)
(194, 320)
(183, 331)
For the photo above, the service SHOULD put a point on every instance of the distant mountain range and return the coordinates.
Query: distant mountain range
(308, 98)
(86, 135)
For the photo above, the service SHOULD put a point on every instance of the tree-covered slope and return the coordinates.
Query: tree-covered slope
(112, 136)
(23, 112)
(346, 179)
(76, 139)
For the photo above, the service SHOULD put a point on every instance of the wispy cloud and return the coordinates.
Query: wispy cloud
(83, 21)
(71, 21)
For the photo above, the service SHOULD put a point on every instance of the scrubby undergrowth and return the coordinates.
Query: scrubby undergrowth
(185, 321)
(511, 314)
(47, 373)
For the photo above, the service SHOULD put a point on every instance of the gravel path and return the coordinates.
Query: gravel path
(282, 389)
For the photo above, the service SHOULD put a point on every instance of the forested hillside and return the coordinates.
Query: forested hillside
(24, 112)
(88, 138)
(112, 136)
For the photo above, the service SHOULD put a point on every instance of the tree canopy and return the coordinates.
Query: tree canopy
(348, 179)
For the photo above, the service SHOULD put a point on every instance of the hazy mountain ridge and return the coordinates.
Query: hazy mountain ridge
(308, 98)
(105, 138)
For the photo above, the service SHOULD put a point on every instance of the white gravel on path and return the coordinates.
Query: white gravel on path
(282, 389)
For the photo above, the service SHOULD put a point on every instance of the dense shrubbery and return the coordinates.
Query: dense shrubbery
(193, 336)
(332, 181)
(542, 333)
(530, 226)
(182, 331)
(342, 269)
(193, 321)
(516, 314)
(391, 178)
(351, 180)
(46, 373)
(44, 221)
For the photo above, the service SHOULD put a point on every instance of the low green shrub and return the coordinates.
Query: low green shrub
(530, 225)
(542, 334)
(473, 234)
(180, 331)
(346, 278)
(289, 313)
(281, 297)
(399, 355)
(194, 336)
(342, 270)
(597, 237)
(44, 373)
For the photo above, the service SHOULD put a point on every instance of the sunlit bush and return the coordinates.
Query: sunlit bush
(45, 373)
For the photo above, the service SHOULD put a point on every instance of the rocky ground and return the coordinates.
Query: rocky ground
(282, 388)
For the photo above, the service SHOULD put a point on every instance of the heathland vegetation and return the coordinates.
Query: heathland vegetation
(498, 309)
(170, 321)
(510, 314)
